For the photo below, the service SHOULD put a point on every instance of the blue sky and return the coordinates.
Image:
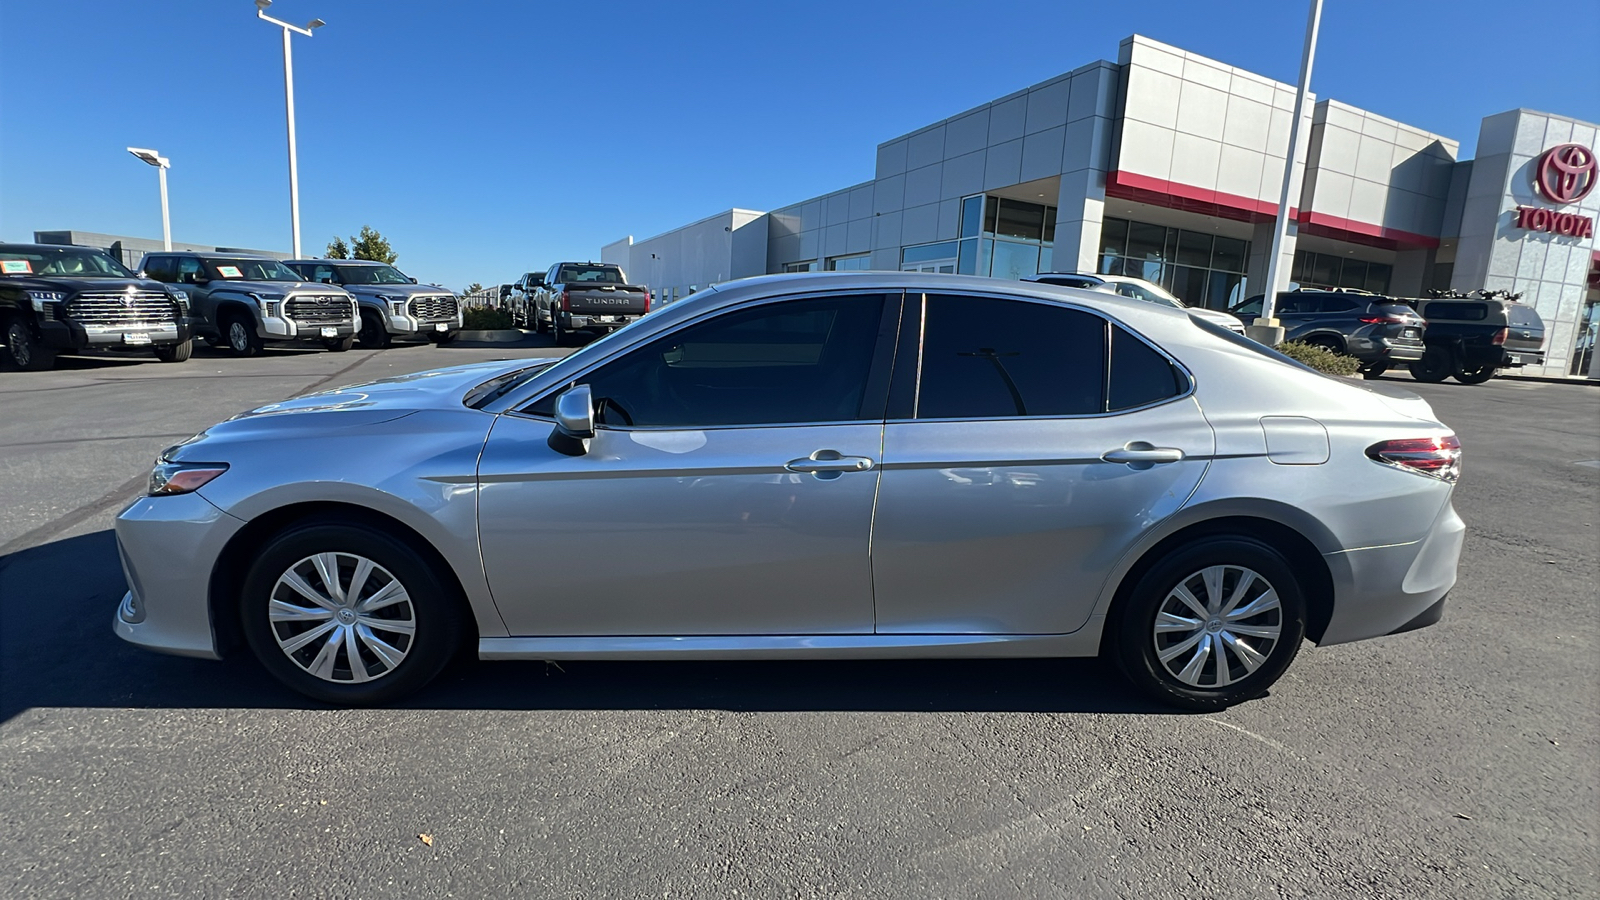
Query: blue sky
(487, 138)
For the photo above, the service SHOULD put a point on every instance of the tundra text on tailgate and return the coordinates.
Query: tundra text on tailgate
(592, 297)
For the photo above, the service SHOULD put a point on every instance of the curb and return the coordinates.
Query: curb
(493, 336)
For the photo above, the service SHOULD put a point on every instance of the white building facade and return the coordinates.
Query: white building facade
(1167, 166)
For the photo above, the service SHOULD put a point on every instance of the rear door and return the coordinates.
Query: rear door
(1524, 330)
(1029, 445)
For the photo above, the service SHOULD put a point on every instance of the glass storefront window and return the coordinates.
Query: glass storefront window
(1147, 241)
(1019, 220)
(925, 252)
(1202, 269)
(1114, 237)
(967, 258)
(1326, 270)
(1015, 260)
(971, 216)
(809, 265)
(1230, 254)
(858, 263)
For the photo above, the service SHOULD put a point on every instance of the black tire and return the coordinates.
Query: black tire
(538, 324)
(1375, 371)
(1133, 641)
(240, 332)
(557, 336)
(435, 614)
(1437, 364)
(175, 353)
(214, 341)
(1327, 342)
(372, 336)
(340, 345)
(24, 351)
(1474, 374)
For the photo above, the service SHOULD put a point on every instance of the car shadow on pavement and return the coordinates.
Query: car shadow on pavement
(57, 649)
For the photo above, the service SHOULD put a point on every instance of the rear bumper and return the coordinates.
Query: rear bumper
(1384, 350)
(1388, 590)
(595, 321)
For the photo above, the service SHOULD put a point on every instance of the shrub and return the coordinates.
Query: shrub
(482, 318)
(1320, 358)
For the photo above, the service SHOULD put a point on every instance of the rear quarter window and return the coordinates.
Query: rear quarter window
(1524, 317)
(1139, 375)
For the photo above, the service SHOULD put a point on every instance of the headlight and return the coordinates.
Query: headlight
(182, 297)
(264, 299)
(40, 298)
(168, 478)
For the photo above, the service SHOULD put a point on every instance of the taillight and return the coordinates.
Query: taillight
(1381, 320)
(646, 301)
(1437, 457)
(566, 302)
(1500, 336)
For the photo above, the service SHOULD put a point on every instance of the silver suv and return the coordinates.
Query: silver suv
(393, 304)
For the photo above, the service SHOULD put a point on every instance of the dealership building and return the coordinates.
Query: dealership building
(1167, 166)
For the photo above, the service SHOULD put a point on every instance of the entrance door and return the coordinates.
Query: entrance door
(1009, 491)
(728, 488)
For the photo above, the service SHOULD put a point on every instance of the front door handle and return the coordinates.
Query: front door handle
(826, 461)
(1141, 454)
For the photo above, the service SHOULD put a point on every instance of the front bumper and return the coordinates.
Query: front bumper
(71, 335)
(279, 328)
(409, 325)
(1382, 590)
(169, 546)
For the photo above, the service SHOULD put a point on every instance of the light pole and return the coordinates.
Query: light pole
(288, 93)
(162, 164)
(1266, 328)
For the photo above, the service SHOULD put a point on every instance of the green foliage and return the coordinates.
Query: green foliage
(1320, 358)
(337, 249)
(481, 318)
(372, 246)
(472, 288)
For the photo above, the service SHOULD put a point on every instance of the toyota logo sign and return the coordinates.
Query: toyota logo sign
(1565, 174)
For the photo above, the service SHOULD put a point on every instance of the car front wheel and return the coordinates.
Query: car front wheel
(348, 614)
(25, 352)
(1474, 374)
(1212, 624)
(1435, 365)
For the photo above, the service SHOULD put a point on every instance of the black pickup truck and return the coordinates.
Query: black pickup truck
(1470, 337)
(582, 296)
(61, 299)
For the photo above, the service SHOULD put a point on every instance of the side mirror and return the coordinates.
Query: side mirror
(574, 421)
(413, 281)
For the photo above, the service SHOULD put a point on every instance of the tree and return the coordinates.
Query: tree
(337, 249)
(472, 288)
(373, 246)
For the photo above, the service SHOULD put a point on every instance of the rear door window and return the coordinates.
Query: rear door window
(1524, 317)
(993, 358)
(161, 268)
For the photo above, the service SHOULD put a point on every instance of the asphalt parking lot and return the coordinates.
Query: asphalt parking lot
(1459, 761)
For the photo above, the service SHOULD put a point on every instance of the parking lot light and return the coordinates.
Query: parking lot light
(288, 92)
(162, 164)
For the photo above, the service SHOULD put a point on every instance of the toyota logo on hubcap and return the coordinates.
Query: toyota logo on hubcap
(1566, 174)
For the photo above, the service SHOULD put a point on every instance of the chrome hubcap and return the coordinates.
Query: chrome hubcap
(18, 338)
(237, 334)
(342, 617)
(1217, 626)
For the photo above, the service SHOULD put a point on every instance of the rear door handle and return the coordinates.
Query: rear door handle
(1142, 454)
(828, 461)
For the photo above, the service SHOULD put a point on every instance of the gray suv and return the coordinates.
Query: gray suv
(243, 301)
(393, 304)
(1377, 330)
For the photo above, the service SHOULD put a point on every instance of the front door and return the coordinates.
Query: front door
(728, 489)
(1018, 466)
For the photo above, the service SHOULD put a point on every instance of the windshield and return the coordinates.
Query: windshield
(371, 275)
(253, 270)
(73, 262)
(591, 275)
(1146, 292)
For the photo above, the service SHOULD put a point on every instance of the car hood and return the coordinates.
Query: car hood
(274, 288)
(68, 284)
(406, 291)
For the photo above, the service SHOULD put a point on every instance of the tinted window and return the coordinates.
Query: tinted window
(591, 275)
(986, 358)
(1524, 317)
(792, 362)
(1470, 312)
(161, 268)
(189, 270)
(1139, 375)
(1337, 304)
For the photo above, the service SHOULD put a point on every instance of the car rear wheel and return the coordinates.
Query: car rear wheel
(179, 352)
(1213, 623)
(1375, 371)
(242, 337)
(348, 614)
(557, 336)
(340, 345)
(1435, 365)
(24, 352)
(1474, 374)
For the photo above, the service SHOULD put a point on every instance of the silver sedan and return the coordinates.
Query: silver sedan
(820, 466)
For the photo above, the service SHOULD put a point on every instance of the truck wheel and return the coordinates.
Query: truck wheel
(538, 325)
(373, 335)
(242, 337)
(1435, 365)
(340, 345)
(25, 352)
(1375, 371)
(1474, 374)
(558, 336)
(176, 352)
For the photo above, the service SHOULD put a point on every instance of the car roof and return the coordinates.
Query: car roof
(929, 282)
(34, 248)
(341, 262)
(228, 254)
